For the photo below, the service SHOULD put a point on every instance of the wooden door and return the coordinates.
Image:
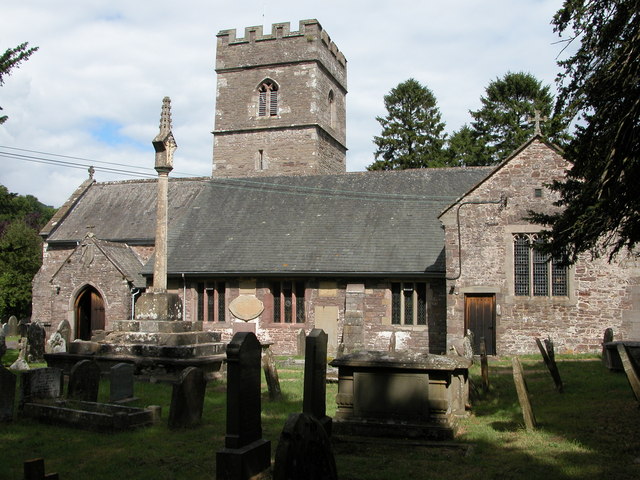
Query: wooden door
(89, 310)
(480, 318)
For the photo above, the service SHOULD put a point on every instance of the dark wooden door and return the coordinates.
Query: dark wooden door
(89, 313)
(480, 318)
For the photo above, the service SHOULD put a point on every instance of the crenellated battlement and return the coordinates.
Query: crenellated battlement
(309, 29)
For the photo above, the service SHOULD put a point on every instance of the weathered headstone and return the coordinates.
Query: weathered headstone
(304, 451)
(632, 375)
(56, 344)
(21, 364)
(549, 357)
(5, 329)
(13, 326)
(314, 401)
(3, 344)
(271, 373)
(23, 325)
(64, 329)
(300, 338)
(523, 394)
(608, 337)
(121, 382)
(84, 381)
(484, 365)
(7, 394)
(187, 399)
(34, 470)
(40, 384)
(246, 453)
(36, 339)
(467, 346)
(392, 343)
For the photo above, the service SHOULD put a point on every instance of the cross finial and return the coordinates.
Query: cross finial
(165, 115)
(164, 143)
(91, 171)
(536, 120)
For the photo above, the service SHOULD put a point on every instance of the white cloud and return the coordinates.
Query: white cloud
(113, 62)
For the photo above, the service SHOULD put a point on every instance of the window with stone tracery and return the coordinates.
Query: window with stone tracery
(535, 273)
(268, 99)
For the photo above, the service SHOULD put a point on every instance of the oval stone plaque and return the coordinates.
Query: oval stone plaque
(246, 307)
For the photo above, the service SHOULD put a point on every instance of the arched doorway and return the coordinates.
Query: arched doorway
(89, 310)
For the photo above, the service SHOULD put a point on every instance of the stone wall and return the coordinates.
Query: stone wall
(601, 295)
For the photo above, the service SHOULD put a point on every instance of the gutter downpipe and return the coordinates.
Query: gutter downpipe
(503, 204)
(134, 291)
(184, 298)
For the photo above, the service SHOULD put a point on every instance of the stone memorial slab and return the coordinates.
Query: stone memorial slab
(84, 381)
(246, 453)
(23, 325)
(523, 394)
(36, 340)
(121, 379)
(13, 326)
(7, 394)
(301, 339)
(315, 378)
(3, 344)
(40, 384)
(56, 344)
(304, 451)
(5, 329)
(64, 329)
(21, 364)
(271, 373)
(246, 307)
(632, 374)
(187, 399)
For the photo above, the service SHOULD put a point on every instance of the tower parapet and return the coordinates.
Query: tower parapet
(280, 102)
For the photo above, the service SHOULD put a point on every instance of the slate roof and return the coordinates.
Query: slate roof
(364, 223)
(121, 211)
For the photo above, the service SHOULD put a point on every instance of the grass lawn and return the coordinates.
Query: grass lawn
(590, 431)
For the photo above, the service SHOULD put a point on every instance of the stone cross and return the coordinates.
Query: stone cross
(536, 120)
(164, 145)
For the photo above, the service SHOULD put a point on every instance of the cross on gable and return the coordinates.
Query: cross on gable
(536, 120)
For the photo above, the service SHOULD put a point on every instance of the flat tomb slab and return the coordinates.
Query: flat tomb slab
(88, 415)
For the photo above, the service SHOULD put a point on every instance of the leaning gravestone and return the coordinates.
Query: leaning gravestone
(13, 326)
(40, 384)
(7, 394)
(187, 399)
(245, 453)
(36, 339)
(315, 378)
(304, 451)
(121, 382)
(523, 394)
(84, 381)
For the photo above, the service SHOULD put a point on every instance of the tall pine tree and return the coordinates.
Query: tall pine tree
(412, 131)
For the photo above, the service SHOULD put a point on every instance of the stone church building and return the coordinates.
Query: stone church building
(281, 239)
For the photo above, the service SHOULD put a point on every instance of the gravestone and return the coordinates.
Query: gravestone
(246, 453)
(20, 365)
(7, 394)
(304, 451)
(121, 382)
(608, 337)
(23, 325)
(392, 343)
(271, 373)
(84, 381)
(484, 365)
(5, 329)
(13, 326)
(523, 394)
(187, 399)
(36, 340)
(315, 378)
(632, 374)
(3, 344)
(549, 357)
(56, 344)
(64, 329)
(40, 384)
(34, 470)
(300, 339)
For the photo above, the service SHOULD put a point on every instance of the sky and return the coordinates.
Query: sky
(92, 93)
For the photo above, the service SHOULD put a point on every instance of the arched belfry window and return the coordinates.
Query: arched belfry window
(332, 109)
(268, 99)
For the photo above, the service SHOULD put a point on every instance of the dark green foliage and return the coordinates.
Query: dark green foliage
(601, 83)
(505, 120)
(10, 59)
(412, 131)
(464, 150)
(21, 217)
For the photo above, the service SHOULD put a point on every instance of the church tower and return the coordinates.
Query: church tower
(280, 103)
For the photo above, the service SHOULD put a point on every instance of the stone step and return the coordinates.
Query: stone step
(174, 352)
(158, 326)
(162, 339)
